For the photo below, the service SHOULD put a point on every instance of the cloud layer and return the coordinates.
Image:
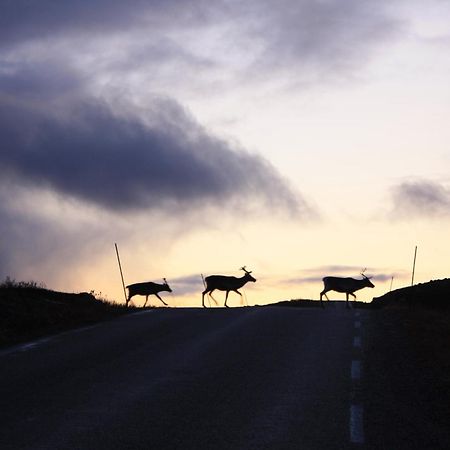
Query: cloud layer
(65, 128)
(124, 163)
(420, 199)
(305, 40)
(62, 63)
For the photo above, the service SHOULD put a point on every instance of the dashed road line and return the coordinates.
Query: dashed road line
(141, 313)
(356, 370)
(356, 406)
(357, 424)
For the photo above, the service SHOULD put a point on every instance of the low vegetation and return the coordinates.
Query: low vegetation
(29, 310)
(434, 295)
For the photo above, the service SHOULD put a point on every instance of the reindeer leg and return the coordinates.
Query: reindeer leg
(146, 298)
(128, 300)
(203, 299)
(346, 302)
(210, 294)
(161, 299)
(321, 295)
(237, 292)
(326, 296)
(226, 298)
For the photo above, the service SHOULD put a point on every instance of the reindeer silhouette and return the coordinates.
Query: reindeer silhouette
(225, 283)
(147, 288)
(345, 285)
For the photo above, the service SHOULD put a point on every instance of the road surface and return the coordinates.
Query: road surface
(242, 378)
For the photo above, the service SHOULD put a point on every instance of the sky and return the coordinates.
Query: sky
(297, 138)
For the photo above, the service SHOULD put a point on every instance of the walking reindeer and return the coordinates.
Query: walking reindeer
(225, 283)
(345, 285)
(147, 288)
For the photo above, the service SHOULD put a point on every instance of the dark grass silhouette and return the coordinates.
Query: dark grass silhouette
(434, 294)
(29, 310)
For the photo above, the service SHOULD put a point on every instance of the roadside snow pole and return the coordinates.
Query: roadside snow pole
(414, 266)
(121, 275)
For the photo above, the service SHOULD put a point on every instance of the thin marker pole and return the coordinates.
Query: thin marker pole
(414, 266)
(121, 273)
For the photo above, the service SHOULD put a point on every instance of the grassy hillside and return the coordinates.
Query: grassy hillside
(28, 310)
(434, 294)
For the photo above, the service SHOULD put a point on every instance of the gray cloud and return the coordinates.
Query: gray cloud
(320, 36)
(420, 198)
(23, 20)
(83, 148)
(60, 131)
(166, 160)
(307, 38)
(186, 285)
(315, 275)
(38, 245)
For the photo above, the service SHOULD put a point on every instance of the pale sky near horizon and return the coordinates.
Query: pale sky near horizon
(299, 138)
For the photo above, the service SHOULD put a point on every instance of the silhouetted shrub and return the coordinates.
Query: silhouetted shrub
(434, 294)
(28, 310)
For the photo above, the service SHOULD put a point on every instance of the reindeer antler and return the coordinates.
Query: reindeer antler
(244, 269)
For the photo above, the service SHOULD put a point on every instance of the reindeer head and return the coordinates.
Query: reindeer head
(167, 286)
(247, 275)
(367, 281)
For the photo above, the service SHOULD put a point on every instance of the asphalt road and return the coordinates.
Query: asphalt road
(242, 378)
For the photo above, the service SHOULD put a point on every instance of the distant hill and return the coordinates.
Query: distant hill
(434, 294)
(28, 311)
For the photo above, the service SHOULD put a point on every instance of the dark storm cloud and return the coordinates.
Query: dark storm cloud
(23, 20)
(88, 152)
(426, 199)
(82, 148)
(30, 81)
(307, 35)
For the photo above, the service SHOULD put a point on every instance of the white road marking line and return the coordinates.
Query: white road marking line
(25, 347)
(356, 370)
(140, 313)
(31, 345)
(356, 424)
(76, 330)
(356, 410)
